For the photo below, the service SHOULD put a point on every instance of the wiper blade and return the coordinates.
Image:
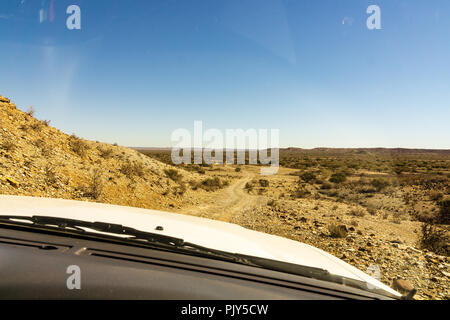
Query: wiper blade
(135, 236)
(78, 225)
(315, 273)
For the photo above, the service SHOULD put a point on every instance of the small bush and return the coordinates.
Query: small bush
(308, 176)
(379, 184)
(78, 146)
(94, 189)
(434, 239)
(444, 212)
(132, 170)
(173, 174)
(50, 176)
(105, 153)
(338, 177)
(30, 111)
(326, 186)
(237, 169)
(357, 212)
(435, 195)
(211, 184)
(300, 193)
(8, 145)
(36, 125)
(264, 183)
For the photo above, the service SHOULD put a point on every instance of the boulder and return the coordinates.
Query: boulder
(401, 285)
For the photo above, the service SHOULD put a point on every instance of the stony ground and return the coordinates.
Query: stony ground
(39, 160)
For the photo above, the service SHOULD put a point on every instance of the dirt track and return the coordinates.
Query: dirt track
(227, 203)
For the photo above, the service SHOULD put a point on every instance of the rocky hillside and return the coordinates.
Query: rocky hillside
(39, 160)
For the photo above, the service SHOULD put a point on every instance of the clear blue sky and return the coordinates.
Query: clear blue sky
(137, 70)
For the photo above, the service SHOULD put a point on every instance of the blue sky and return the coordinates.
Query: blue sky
(137, 71)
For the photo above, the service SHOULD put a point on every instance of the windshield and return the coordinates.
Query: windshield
(321, 122)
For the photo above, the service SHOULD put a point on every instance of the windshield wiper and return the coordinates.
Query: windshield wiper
(120, 233)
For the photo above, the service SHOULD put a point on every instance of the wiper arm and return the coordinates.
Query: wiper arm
(141, 237)
(78, 225)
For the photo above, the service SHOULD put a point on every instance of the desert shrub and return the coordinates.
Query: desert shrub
(193, 167)
(94, 189)
(337, 231)
(132, 170)
(444, 211)
(78, 146)
(173, 174)
(264, 183)
(434, 239)
(40, 143)
(271, 203)
(199, 169)
(338, 177)
(180, 189)
(301, 193)
(211, 184)
(308, 176)
(379, 184)
(435, 195)
(46, 150)
(357, 212)
(248, 186)
(237, 169)
(354, 223)
(45, 122)
(105, 153)
(36, 125)
(50, 175)
(30, 111)
(326, 186)
(8, 145)
(366, 190)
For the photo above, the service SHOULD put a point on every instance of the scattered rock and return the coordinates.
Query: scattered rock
(11, 181)
(401, 285)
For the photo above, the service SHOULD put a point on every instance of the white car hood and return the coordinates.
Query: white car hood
(205, 232)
